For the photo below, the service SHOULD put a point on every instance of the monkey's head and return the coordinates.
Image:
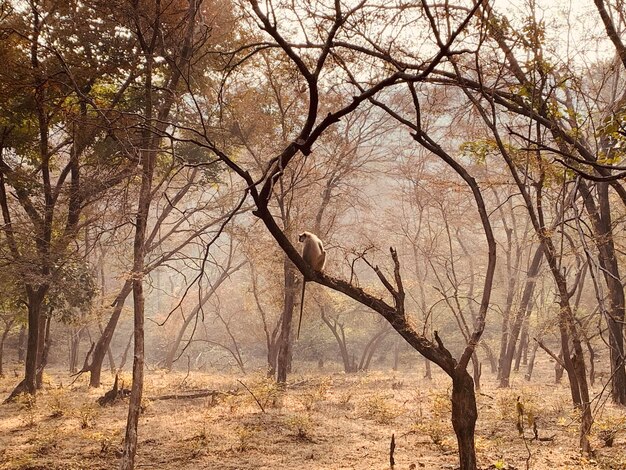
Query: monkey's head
(303, 236)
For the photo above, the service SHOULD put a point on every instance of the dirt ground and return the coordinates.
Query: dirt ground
(322, 420)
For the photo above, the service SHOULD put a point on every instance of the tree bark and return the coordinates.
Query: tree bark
(130, 438)
(29, 383)
(44, 347)
(35, 302)
(463, 398)
(477, 370)
(21, 350)
(74, 344)
(104, 342)
(339, 334)
(428, 374)
(521, 354)
(148, 159)
(521, 316)
(493, 363)
(371, 347)
(5, 333)
(574, 364)
(125, 354)
(531, 362)
(283, 359)
(464, 416)
(396, 356)
(558, 372)
(511, 275)
(272, 358)
(615, 313)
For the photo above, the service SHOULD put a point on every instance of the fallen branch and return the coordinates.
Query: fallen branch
(196, 394)
(299, 383)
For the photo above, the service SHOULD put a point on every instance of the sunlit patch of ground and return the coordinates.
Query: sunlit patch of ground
(319, 421)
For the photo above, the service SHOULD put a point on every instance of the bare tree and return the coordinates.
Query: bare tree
(228, 268)
(348, 357)
(309, 66)
(150, 26)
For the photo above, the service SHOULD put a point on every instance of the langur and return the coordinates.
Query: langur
(314, 254)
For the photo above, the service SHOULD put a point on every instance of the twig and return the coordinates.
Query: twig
(392, 448)
(253, 395)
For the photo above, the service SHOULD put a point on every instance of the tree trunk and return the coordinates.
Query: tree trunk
(575, 368)
(505, 327)
(521, 354)
(493, 364)
(21, 350)
(427, 370)
(29, 382)
(340, 336)
(74, 344)
(41, 342)
(44, 347)
(531, 362)
(272, 353)
(592, 361)
(616, 313)
(464, 416)
(558, 370)
(524, 343)
(521, 317)
(574, 364)
(125, 354)
(616, 343)
(569, 365)
(371, 347)
(5, 333)
(284, 341)
(348, 364)
(132, 423)
(171, 354)
(35, 301)
(148, 158)
(477, 368)
(102, 346)
(396, 356)
(603, 237)
(109, 353)
(587, 417)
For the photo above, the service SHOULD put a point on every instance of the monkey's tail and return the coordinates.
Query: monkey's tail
(301, 307)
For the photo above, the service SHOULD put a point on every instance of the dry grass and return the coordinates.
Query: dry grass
(319, 421)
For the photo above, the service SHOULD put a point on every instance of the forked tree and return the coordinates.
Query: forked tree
(312, 63)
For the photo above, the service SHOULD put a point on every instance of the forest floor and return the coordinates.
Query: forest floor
(321, 420)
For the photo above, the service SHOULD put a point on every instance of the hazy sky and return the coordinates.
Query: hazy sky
(573, 27)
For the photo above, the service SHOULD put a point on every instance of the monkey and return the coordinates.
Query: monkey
(314, 254)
